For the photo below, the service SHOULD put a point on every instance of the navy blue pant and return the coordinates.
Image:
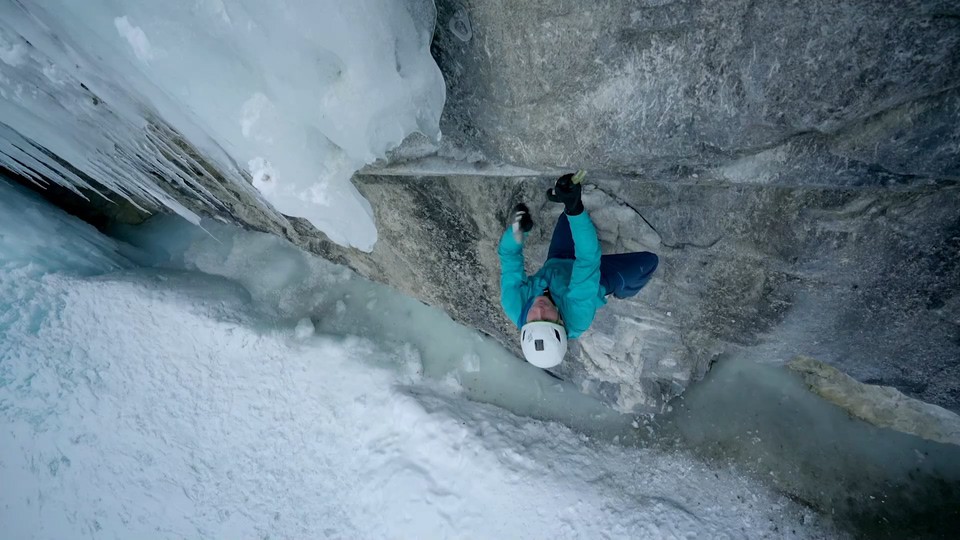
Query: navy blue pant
(622, 274)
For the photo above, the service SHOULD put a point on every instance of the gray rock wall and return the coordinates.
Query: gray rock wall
(660, 86)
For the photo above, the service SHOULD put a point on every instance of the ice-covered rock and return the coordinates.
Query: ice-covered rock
(880, 405)
(304, 328)
(293, 95)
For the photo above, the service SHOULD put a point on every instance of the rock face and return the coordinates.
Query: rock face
(851, 88)
(794, 165)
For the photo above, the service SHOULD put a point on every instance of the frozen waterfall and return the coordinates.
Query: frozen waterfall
(294, 96)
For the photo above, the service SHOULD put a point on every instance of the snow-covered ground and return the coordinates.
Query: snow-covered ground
(287, 398)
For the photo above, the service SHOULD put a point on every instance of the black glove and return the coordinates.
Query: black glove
(521, 217)
(568, 193)
(521, 222)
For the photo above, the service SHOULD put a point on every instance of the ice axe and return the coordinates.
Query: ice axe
(521, 220)
(565, 183)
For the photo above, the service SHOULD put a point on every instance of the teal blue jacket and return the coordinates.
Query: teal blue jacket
(574, 283)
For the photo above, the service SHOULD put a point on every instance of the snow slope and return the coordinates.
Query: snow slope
(162, 403)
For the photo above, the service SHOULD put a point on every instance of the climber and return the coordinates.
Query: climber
(559, 301)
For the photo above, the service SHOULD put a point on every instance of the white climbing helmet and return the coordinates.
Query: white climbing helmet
(544, 343)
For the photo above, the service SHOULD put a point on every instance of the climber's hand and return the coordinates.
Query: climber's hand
(521, 222)
(521, 218)
(568, 192)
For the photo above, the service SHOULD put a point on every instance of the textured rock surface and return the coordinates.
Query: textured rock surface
(795, 165)
(663, 85)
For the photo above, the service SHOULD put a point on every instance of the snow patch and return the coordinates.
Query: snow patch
(180, 397)
(262, 175)
(255, 107)
(304, 328)
(12, 54)
(135, 37)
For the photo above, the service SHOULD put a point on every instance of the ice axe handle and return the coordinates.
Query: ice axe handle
(577, 178)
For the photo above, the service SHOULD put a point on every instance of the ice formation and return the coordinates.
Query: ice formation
(294, 94)
(166, 402)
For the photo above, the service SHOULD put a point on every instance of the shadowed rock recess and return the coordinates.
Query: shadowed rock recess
(795, 165)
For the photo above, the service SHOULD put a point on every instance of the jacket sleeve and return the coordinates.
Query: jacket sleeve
(512, 276)
(585, 276)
